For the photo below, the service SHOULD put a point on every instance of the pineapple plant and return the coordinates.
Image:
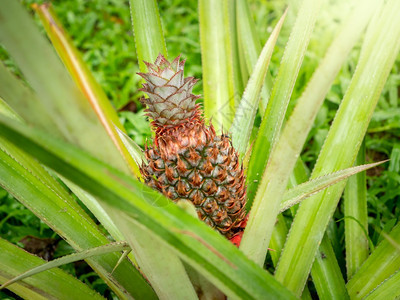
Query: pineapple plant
(188, 160)
(160, 251)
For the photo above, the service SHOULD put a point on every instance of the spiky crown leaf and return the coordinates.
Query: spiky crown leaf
(170, 101)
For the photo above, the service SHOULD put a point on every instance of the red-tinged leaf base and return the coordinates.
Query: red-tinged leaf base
(237, 238)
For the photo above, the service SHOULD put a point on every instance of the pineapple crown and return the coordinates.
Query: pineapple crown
(170, 101)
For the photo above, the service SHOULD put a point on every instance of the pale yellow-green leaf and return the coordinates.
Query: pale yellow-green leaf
(14, 260)
(256, 238)
(341, 145)
(246, 112)
(217, 63)
(83, 78)
(114, 247)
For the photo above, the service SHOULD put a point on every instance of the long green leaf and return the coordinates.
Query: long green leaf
(203, 286)
(35, 188)
(14, 260)
(94, 94)
(216, 53)
(324, 270)
(134, 149)
(355, 206)
(389, 289)
(273, 183)
(278, 238)
(281, 229)
(326, 274)
(380, 265)
(101, 214)
(341, 146)
(85, 80)
(97, 210)
(246, 112)
(30, 108)
(114, 247)
(280, 95)
(300, 175)
(309, 188)
(236, 65)
(250, 47)
(300, 122)
(149, 37)
(156, 260)
(25, 102)
(195, 242)
(64, 103)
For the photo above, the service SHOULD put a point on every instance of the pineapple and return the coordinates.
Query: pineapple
(188, 160)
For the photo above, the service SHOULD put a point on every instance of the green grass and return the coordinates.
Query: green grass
(102, 31)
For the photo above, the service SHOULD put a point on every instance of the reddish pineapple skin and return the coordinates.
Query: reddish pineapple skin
(188, 160)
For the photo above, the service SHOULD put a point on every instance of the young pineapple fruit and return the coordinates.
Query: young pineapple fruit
(188, 160)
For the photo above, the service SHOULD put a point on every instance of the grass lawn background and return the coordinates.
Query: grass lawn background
(103, 33)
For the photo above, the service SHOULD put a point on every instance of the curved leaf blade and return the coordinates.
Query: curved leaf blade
(265, 208)
(280, 95)
(134, 149)
(27, 181)
(114, 247)
(192, 240)
(149, 37)
(355, 208)
(63, 102)
(382, 263)
(250, 47)
(309, 188)
(326, 274)
(24, 178)
(85, 80)
(217, 63)
(341, 146)
(238, 75)
(15, 93)
(389, 289)
(14, 260)
(246, 112)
